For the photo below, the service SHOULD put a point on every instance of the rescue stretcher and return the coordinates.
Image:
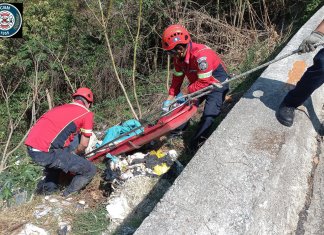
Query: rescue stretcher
(170, 120)
(165, 124)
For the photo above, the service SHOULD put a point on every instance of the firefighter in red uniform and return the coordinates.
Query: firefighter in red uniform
(203, 67)
(50, 143)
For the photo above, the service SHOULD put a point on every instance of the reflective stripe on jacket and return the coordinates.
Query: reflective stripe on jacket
(198, 66)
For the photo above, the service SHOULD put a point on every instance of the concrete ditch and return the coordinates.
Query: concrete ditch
(253, 175)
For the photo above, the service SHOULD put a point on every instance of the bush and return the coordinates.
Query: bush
(22, 175)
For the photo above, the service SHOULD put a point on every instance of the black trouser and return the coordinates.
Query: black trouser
(212, 109)
(59, 160)
(312, 79)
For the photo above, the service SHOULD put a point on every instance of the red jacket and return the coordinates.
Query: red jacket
(57, 127)
(199, 65)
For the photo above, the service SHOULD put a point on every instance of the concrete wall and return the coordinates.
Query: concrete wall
(252, 175)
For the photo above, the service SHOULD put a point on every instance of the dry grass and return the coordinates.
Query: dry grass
(230, 41)
(92, 193)
(142, 194)
(14, 218)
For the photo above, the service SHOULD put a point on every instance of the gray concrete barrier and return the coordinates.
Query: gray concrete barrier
(252, 175)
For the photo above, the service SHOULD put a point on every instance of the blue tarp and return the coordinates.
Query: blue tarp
(116, 131)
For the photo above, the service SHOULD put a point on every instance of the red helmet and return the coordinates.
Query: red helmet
(173, 35)
(85, 93)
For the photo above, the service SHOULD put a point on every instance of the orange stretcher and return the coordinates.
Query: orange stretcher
(166, 123)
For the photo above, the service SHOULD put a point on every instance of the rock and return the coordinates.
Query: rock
(82, 204)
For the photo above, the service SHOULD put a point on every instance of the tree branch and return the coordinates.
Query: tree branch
(134, 60)
(113, 61)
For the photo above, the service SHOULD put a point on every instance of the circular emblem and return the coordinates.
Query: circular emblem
(203, 65)
(10, 20)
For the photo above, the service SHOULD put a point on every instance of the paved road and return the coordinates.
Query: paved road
(315, 210)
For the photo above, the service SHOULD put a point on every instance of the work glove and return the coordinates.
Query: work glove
(180, 98)
(309, 42)
(166, 105)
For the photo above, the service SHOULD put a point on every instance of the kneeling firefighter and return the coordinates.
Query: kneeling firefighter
(58, 140)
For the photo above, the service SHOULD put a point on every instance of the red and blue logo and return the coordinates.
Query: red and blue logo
(10, 20)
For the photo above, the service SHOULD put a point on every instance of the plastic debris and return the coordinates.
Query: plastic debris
(155, 163)
(93, 141)
(82, 202)
(173, 154)
(20, 198)
(65, 203)
(127, 175)
(53, 200)
(31, 229)
(62, 230)
(160, 169)
(137, 155)
(159, 153)
(118, 208)
(64, 227)
(111, 174)
(44, 210)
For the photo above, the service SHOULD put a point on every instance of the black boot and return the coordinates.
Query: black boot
(46, 188)
(285, 115)
(78, 183)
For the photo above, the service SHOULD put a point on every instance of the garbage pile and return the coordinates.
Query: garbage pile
(153, 164)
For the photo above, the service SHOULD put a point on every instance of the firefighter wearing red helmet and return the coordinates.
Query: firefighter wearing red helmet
(174, 35)
(85, 93)
(58, 140)
(202, 67)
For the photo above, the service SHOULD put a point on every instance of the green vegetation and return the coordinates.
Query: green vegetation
(91, 222)
(21, 175)
(64, 47)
